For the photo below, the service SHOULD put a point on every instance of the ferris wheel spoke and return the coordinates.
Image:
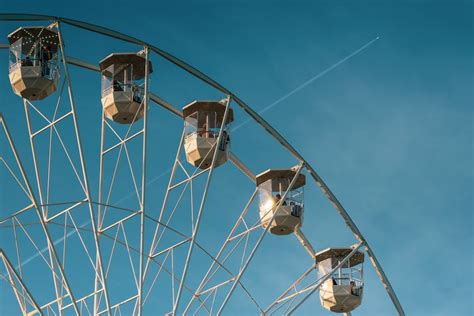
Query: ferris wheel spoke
(209, 272)
(201, 207)
(188, 182)
(174, 256)
(52, 126)
(156, 277)
(120, 140)
(64, 250)
(50, 264)
(259, 241)
(163, 207)
(81, 180)
(109, 263)
(37, 248)
(14, 176)
(292, 287)
(18, 255)
(135, 185)
(16, 282)
(208, 295)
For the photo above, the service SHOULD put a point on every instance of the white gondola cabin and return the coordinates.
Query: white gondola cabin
(34, 68)
(272, 185)
(203, 120)
(123, 77)
(343, 292)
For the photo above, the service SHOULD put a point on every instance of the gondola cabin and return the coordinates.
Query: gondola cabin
(34, 68)
(123, 78)
(287, 214)
(203, 120)
(343, 292)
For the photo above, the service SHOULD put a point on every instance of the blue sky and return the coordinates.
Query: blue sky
(390, 130)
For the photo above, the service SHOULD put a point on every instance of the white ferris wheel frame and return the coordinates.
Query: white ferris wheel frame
(146, 257)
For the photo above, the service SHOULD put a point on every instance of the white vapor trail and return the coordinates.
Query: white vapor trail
(311, 80)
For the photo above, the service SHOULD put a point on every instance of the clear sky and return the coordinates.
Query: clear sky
(390, 129)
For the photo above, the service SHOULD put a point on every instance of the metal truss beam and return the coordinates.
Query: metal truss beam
(201, 207)
(13, 274)
(259, 241)
(51, 247)
(198, 74)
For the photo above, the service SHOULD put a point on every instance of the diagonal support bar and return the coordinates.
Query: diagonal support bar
(201, 207)
(51, 247)
(259, 241)
(12, 272)
(99, 267)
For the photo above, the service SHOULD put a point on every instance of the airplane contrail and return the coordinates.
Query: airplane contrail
(311, 80)
(266, 108)
(56, 242)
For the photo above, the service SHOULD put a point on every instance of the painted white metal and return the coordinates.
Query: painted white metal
(241, 166)
(259, 241)
(201, 207)
(90, 27)
(13, 274)
(304, 242)
(291, 287)
(84, 173)
(52, 250)
(143, 185)
(209, 273)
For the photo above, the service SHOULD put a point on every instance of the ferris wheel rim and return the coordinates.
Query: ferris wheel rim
(252, 113)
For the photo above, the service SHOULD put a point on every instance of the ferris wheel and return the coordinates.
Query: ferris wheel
(125, 249)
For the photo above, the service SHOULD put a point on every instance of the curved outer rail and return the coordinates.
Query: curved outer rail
(272, 131)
